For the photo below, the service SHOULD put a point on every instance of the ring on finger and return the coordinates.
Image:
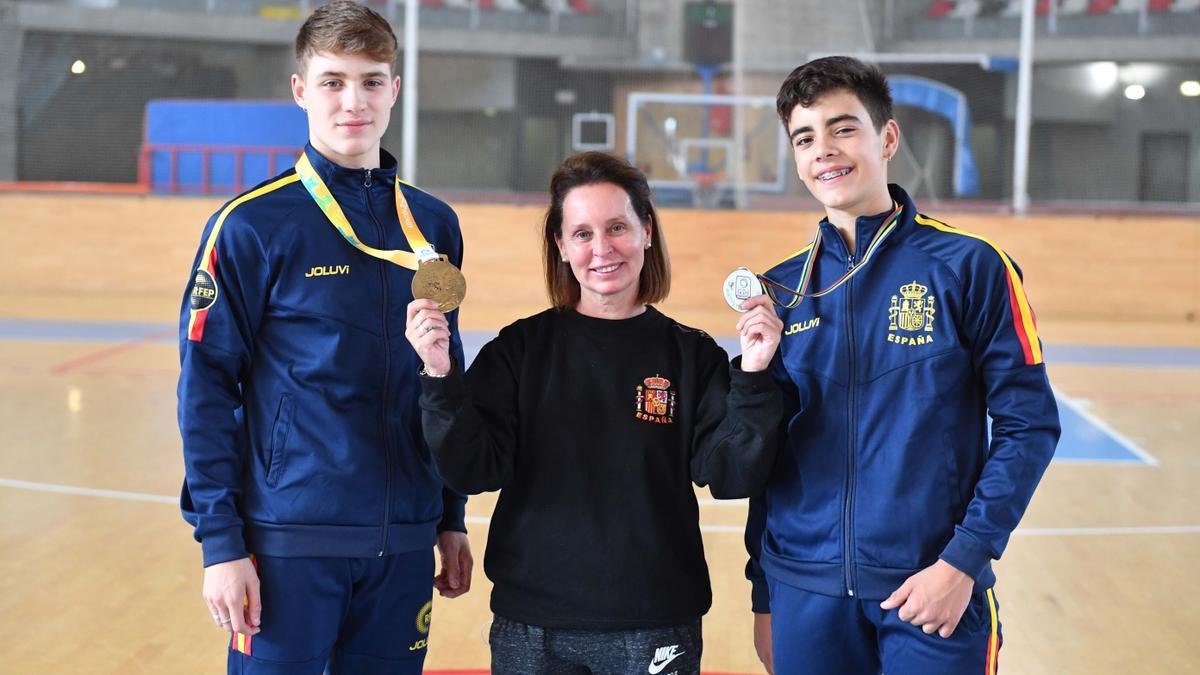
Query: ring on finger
(224, 621)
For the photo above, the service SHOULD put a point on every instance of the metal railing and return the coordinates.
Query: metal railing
(149, 169)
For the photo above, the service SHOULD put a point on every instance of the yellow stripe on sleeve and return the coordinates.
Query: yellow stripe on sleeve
(216, 230)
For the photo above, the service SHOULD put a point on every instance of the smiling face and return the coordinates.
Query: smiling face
(605, 244)
(841, 157)
(348, 98)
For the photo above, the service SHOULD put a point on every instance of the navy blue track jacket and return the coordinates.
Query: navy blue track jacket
(887, 464)
(298, 391)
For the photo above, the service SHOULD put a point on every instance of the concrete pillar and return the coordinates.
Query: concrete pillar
(11, 36)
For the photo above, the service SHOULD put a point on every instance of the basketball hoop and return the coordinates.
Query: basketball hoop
(707, 191)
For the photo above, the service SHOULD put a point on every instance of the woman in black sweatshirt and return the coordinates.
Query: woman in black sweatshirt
(593, 419)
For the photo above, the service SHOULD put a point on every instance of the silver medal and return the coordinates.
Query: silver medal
(741, 285)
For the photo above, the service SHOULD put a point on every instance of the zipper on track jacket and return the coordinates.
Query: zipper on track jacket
(848, 514)
(387, 363)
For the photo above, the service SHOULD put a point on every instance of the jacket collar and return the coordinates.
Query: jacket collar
(340, 178)
(866, 226)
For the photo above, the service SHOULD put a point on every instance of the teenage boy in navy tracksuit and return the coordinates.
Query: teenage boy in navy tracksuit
(310, 488)
(871, 547)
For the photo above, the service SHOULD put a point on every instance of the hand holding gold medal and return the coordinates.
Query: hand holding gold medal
(436, 280)
(439, 280)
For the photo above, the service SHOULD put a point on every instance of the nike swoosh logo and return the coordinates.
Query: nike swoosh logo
(656, 668)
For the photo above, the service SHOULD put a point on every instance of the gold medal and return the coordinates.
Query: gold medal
(440, 281)
(434, 276)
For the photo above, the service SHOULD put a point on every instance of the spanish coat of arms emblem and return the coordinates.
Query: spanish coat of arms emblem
(912, 310)
(655, 401)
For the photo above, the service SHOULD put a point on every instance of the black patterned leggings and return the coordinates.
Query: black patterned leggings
(521, 649)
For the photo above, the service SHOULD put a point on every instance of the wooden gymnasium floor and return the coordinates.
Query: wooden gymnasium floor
(98, 573)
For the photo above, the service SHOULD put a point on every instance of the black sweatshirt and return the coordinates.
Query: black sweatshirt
(594, 430)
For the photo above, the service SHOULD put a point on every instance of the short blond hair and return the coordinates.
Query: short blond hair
(346, 27)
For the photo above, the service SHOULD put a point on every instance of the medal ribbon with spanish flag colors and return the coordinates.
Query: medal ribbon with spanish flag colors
(421, 252)
(801, 291)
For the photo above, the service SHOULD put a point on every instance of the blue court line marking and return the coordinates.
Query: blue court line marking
(1085, 438)
(1111, 355)
(48, 330)
(1107, 356)
(731, 529)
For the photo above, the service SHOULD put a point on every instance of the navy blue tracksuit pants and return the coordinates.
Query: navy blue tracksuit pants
(350, 615)
(812, 634)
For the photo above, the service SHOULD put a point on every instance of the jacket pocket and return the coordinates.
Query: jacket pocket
(953, 478)
(977, 617)
(279, 437)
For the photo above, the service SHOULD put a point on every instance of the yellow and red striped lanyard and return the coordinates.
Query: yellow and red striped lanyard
(772, 287)
(422, 250)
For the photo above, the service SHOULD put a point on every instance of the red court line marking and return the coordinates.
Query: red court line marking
(131, 372)
(100, 355)
(75, 187)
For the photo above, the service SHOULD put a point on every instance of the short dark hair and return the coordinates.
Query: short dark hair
(818, 77)
(346, 27)
(591, 168)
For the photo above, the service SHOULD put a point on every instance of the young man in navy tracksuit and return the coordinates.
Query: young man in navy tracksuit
(310, 488)
(871, 547)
